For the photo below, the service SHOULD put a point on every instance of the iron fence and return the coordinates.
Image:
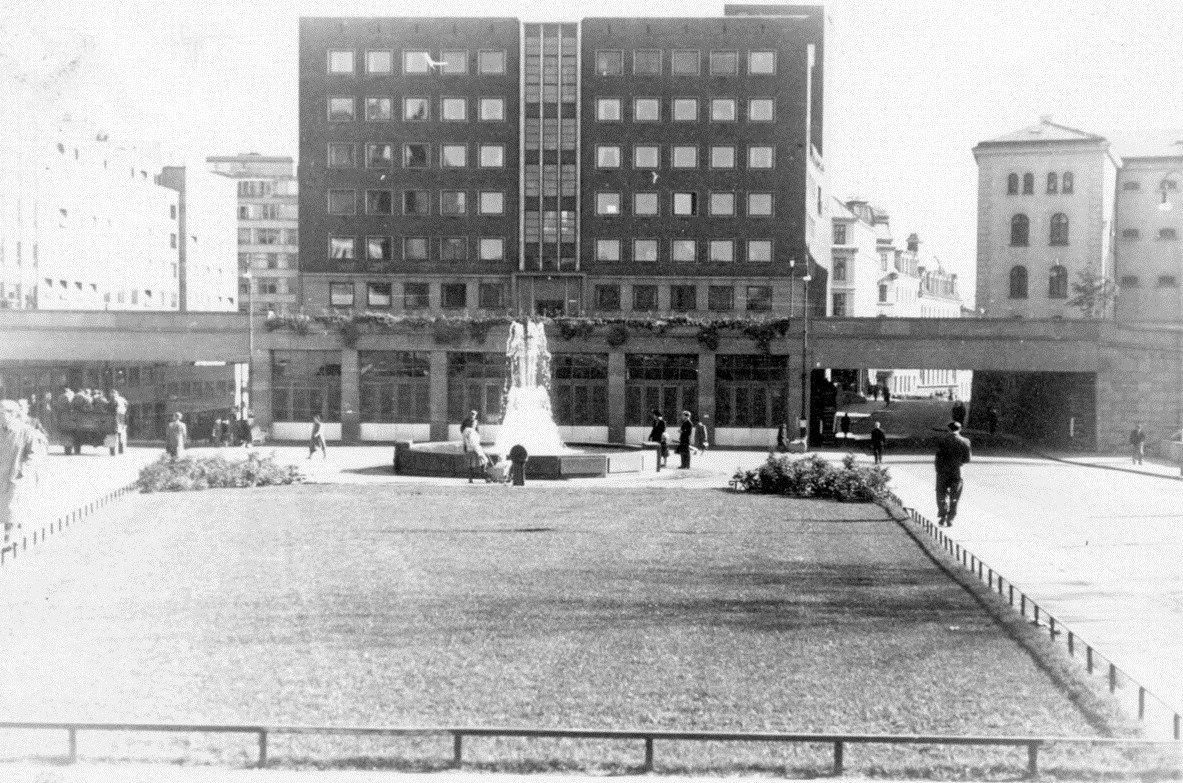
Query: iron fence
(10, 550)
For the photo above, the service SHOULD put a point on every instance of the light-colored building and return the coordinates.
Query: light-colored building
(268, 230)
(855, 261)
(208, 230)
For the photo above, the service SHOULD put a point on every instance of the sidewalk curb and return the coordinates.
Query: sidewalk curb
(1117, 468)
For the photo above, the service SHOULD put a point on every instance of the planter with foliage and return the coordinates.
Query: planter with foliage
(815, 477)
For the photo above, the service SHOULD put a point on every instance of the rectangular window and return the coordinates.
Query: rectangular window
(491, 249)
(607, 249)
(490, 62)
(378, 294)
(644, 297)
(759, 250)
(341, 156)
(416, 62)
(722, 250)
(1167, 281)
(722, 205)
(342, 202)
(415, 156)
(760, 157)
(379, 156)
(379, 248)
(340, 109)
(684, 251)
(721, 297)
(1167, 233)
(683, 298)
(647, 62)
(454, 296)
(646, 156)
(1129, 281)
(340, 62)
(492, 109)
(379, 110)
(685, 204)
(341, 294)
(454, 109)
(455, 61)
(414, 248)
(759, 297)
(492, 202)
(759, 205)
(685, 109)
(608, 156)
(395, 386)
(379, 202)
(839, 305)
(610, 63)
(644, 203)
(453, 202)
(453, 248)
(1129, 233)
(724, 63)
(491, 296)
(492, 156)
(761, 62)
(381, 61)
(761, 110)
(839, 233)
(723, 110)
(342, 248)
(646, 110)
(685, 157)
(416, 202)
(454, 156)
(1131, 185)
(608, 109)
(608, 297)
(607, 203)
(416, 109)
(722, 157)
(416, 296)
(883, 293)
(644, 250)
(839, 270)
(684, 62)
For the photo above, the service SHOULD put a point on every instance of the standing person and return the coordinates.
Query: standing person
(953, 451)
(958, 413)
(782, 438)
(476, 455)
(16, 462)
(317, 441)
(1138, 444)
(992, 418)
(685, 435)
(886, 397)
(175, 437)
(845, 423)
(700, 435)
(875, 391)
(657, 435)
(878, 439)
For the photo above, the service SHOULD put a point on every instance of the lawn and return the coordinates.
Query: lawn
(539, 606)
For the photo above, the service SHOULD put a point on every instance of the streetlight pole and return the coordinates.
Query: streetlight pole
(1165, 206)
(250, 330)
(803, 423)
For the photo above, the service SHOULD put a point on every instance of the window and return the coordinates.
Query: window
(378, 294)
(491, 202)
(724, 63)
(1012, 185)
(759, 297)
(453, 249)
(607, 249)
(379, 202)
(416, 109)
(645, 204)
(1059, 229)
(607, 297)
(647, 62)
(453, 296)
(722, 250)
(1131, 185)
(760, 205)
(882, 293)
(683, 298)
(340, 109)
(1066, 183)
(415, 249)
(341, 156)
(380, 61)
(761, 62)
(416, 62)
(491, 249)
(723, 110)
(1129, 281)
(684, 251)
(722, 204)
(759, 250)
(453, 202)
(1028, 184)
(760, 157)
(1018, 282)
(684, 62)
(415, 296)
(761, 110)
(1129, 233)
(492, 109)
(1167, 281)
(1169, 184)
(491, 63)
(340, 62)
(644, 250)
(839, 305)
(685, 109)
(415, 156)
(379, 110)
(685, 204)
(646, 156)
(644, 297)
(609, 63)
(416, 202)
(608, 156)
(839, 234)
(454, 109)
(492, 156)
(646, 109)
(341, 294)
(1020, 228)
(342, 202)
(722, 157)
(608, 109)
(491, 296)
(607, 203)
(454, 61)
(1057, 283)
(685, 157)
(379, 248)
(454, 156)
(1167, 233)
(720, 297)
(342, 248)
(379, 156)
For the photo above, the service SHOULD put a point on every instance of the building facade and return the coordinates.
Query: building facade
(207, 232)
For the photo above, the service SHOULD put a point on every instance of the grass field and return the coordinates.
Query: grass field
(548, 607)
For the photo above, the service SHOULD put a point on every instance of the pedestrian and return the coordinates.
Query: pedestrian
(886, 397)
(782, 438)
(958, 412)
(878, 440)
(175, 437)
(246, 431)
(657, 436)
(700, 435)
(685, 436)
(992, 418)
(215, 436)
(517, 461)
(17, 455)
(844, 422)
(953, 451)
(874, 391)
(317, 441)
(476, 455)
(1138, 444)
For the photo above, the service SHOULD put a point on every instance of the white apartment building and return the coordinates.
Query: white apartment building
(208, 231)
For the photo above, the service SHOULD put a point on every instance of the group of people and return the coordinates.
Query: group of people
(23, 447)
(478, 460)
(92, 400)
(692, 438)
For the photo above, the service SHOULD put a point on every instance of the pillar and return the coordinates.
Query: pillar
(706, 391)
(616, 397)
(438, 401)
(350, 396)
(259, 375)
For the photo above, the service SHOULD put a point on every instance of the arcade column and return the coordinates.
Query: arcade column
(706, 391)
(438, 399)
(350, 396)
(616, 397)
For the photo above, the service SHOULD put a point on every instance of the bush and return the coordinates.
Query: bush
(189, 473)
(814, 477)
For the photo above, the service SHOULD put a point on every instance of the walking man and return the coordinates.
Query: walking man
(1138, 444)
(685, 435)
(886, 397)
(878, 439)
(175, 437)
(17, 454)
(657, 435)
(316, 442)
(700, 435)
(953, 451)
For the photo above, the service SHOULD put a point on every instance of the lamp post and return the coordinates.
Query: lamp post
(250, 331)
(1164, 205)
(803, 423)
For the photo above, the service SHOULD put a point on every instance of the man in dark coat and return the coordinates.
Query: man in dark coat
(878, 439)
(657, 435)
(953, 451)
(959, 412)
(685, 435)
(1138, 444)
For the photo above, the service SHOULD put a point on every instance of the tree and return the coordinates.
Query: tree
(1093, 293)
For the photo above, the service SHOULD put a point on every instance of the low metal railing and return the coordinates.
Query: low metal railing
(649, 738)
(10, 550)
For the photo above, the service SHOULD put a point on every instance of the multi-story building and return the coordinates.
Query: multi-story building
(268, 230)
(855, 263)
(208, 232)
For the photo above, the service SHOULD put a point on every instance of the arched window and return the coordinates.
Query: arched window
(1018, 282)
(1057, 283)
(1051, 182)
(1059, 232)
(1020, 227)
(1012, 185)
(1066, 182)
(1028, 184)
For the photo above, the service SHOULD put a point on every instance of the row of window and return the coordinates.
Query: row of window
(685, 110)
(1057, 282)
(489, 62)
(263, 188)
(272, 211)
(343, 108)
(1020, 230)
(418, 155)
(1055, 183)
(452, 203)
(1166, 184)
(381, 248)
(686, 204)
(268, 236)
(685, 62)
(1163, 233)
(1164, 281)
(684, 156)
(756, 251)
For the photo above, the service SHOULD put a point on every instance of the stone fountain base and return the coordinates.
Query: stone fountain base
(448, 460)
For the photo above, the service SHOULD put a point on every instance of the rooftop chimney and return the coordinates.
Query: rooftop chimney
(1045, 118)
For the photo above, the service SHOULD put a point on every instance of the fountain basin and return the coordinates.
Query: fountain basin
(585, 460)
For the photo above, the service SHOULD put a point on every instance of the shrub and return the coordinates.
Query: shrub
(814, 477)
(190, 473)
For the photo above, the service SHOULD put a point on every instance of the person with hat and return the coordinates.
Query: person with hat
(953, 451)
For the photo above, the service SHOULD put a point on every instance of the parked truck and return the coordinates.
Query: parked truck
(78, 428)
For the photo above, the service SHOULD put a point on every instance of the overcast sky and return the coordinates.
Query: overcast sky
(911, 87)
